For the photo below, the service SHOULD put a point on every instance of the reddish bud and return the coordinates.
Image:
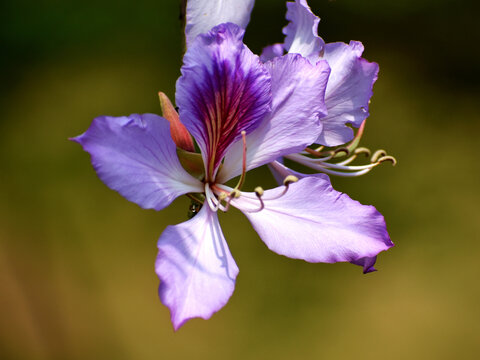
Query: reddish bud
(179, 132)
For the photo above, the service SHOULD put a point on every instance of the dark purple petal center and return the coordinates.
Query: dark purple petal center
(224, 90)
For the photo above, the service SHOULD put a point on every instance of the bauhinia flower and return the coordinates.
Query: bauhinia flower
(242, 113)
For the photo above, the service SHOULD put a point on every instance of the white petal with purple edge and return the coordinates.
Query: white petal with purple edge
(196, 270)
(203, 15)
(224, 90)
(136, 156)
(301, 32)
(348, 93)
(298, 90)
(313, 222)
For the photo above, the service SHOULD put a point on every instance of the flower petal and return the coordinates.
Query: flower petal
(280, 172)
(196, 270)
(301, 32)
(313, 222)
(298, 91)
(203, 15)
(271, 52)
(136, 156)
(224, 90)
(367, 264)
(349, 90)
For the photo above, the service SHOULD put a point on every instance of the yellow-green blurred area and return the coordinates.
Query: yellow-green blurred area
(77, 260)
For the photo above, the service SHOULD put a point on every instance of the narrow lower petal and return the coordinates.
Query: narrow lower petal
(203, 15)
(298, 89)
(196, 270)
(313, 222)
(224, 90)
(136, 156)
(301, 32)
(348, 91)
(280, 172)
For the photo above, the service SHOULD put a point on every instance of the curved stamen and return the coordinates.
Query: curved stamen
(241, 181)
(212, 201)
(235, 193)
(344, 168)
(357, 152)
(388, 158)
(377, 155)
(331, 153)
(259, 192)
(356, 140)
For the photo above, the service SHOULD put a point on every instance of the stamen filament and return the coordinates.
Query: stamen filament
(211, 199)
(345, 174)
(194, 198)
(377, 155)
(325, 167)
(259, 193)
(331, 153)
(356, 140)
(241, 181)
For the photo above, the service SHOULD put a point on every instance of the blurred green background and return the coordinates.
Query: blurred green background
(77, 260)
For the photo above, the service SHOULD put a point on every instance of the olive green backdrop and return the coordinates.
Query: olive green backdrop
(77, 260)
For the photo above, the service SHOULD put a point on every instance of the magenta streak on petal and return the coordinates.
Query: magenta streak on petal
(223, 91)
(228, 98)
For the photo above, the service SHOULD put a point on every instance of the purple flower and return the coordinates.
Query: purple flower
(242, 113)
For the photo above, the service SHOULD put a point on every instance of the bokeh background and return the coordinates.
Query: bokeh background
(77, 260)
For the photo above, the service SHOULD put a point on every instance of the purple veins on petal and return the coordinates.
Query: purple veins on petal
(224, 90)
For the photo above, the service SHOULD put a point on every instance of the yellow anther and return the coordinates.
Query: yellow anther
(259, 191)
(222, 196)
(377, 155)
(235, 193)
(388, 158)
(290, 179)
(362, 150)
